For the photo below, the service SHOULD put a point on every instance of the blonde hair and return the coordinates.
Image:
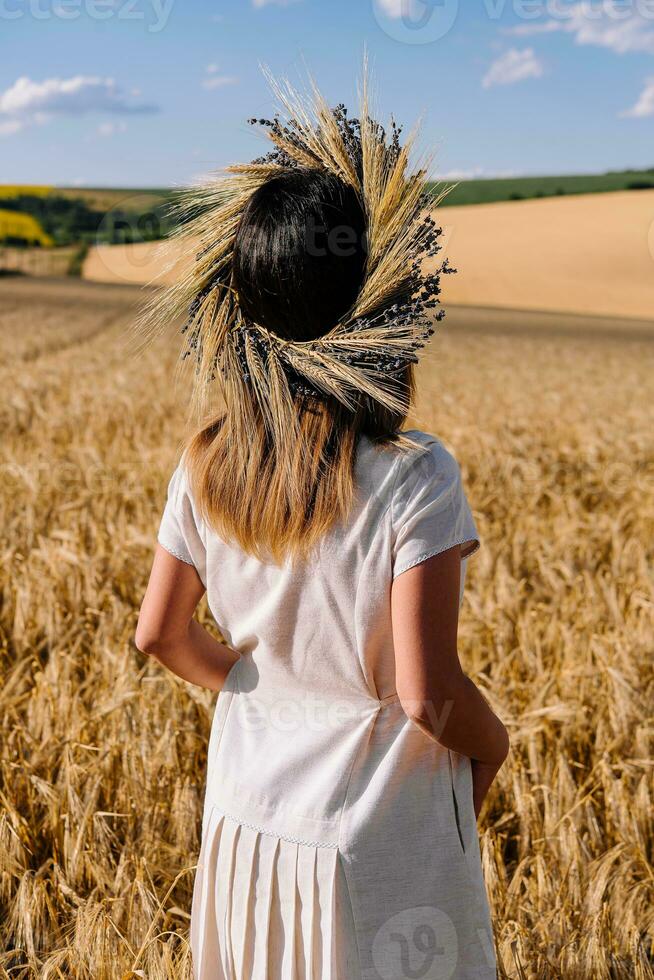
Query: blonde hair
(276, 499)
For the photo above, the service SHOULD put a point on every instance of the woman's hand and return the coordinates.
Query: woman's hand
(483, 776)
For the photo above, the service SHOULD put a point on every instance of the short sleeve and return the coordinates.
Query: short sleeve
(430, 513)
(180, 528)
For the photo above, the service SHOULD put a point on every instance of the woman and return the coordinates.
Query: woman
(349, 753)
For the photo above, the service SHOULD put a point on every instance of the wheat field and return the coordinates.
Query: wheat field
(103, 753)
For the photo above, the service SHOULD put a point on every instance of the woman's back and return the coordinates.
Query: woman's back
(309, 745)
(323, 624)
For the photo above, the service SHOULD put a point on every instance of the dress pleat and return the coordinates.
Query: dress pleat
(263, 905)
(264, 908)
(247, 864)
(225, 872)
(288, 908)
(326, 859)
(205, 941)
(306, 885)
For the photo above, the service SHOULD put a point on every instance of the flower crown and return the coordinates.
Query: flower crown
(393, 316)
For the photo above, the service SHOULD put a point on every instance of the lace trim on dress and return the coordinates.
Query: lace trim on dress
(270, 833)
(437, 551)
(175, 554)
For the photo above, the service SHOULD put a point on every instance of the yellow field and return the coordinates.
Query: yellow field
(14, 224)
(107, 198)
(15, 190)
(102, 753)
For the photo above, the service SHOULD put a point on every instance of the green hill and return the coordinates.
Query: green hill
(485, 191)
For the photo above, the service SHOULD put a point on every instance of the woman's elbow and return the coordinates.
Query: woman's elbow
(149, 640)
(430, 710)
(428, 715)
(143, 641)
(504, 745)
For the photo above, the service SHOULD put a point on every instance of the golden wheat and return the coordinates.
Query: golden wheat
(103, 752)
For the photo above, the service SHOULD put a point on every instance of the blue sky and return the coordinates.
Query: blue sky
(156, 92)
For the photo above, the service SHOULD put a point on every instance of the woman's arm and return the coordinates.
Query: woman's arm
(433, 689)
(167, 631)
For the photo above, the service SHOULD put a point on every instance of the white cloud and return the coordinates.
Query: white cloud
(513, 66)
(645, 104)
(215, 80)
(219, 81)
(610, 24)
(267, 3)
(473, 173)
(27, 102)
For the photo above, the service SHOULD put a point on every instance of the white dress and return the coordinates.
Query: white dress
(339, 841)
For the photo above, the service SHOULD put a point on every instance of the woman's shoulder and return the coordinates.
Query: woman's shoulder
(406, 442)
(426, 461)
(416, 457)
(425, 441)
(427, 453)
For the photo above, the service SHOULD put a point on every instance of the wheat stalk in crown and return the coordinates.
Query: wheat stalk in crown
(393, 315)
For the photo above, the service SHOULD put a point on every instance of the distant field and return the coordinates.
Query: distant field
(522, 188)
(87, 216)
(589, 254)
(125, 216)
(542, 255)
(480, 191)
(16, 190)
(15, 225)
(104, 198)
(40, 261)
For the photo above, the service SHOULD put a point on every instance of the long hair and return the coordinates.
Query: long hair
(299, 262)
(308, 293)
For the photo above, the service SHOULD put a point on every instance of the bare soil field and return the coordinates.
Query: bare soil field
(102, 753)
(588, 254)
